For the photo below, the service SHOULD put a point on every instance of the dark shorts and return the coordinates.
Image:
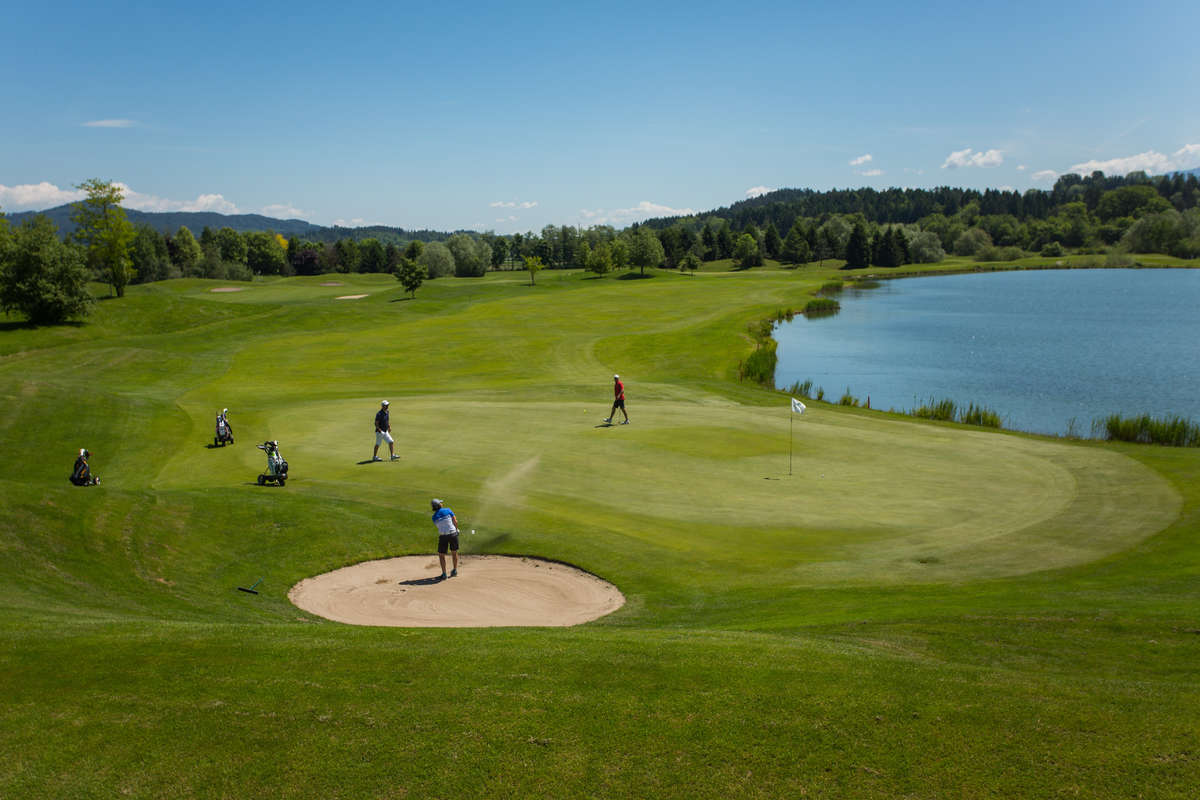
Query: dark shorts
(447, 541)
(619, 403)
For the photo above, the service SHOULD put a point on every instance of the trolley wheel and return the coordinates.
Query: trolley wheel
(262, 481)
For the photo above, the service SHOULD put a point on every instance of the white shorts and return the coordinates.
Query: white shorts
(383, 436)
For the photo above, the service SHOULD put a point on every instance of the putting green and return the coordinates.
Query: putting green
(868, 499)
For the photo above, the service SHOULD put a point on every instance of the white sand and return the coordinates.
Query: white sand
(350, 297)
(228, 289)
(489, 591)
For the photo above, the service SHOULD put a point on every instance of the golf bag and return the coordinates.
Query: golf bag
(224, 433)
(81, 474)
(277, 467)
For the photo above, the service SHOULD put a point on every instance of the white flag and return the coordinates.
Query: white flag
(797, 406)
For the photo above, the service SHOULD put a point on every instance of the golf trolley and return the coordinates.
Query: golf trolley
(224, 433)
(277, 467)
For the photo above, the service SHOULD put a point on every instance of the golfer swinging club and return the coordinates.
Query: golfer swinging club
(618, 400)
(383, 432)
(447, 526)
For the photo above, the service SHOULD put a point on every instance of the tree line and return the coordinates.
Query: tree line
(863, 227)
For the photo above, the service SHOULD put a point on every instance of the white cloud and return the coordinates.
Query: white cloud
(36, 196)
(1021, 167)
(758, 191)
(1045, 175)
(357, 222)
(871, 173)
(509, 218)
(912, 171)
(110, 123)
(149, 202)
(970, 158)
(643, 210)
(283, 211)
(1151, 161)
(863, 159)
(1004, 188)
(513, 204)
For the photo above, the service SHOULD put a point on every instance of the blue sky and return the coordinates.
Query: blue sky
(512, 116)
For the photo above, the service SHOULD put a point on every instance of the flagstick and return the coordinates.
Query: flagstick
(790, 439)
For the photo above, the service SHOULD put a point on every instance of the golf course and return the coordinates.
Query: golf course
(843, 603)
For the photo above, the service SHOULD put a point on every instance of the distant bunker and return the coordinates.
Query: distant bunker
(489, 591)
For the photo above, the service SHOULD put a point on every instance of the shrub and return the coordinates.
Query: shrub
(999, 254)
(1053, 250)
(848, 399)
(979, 415)
(1173, 431)
(41, 276)
(822, 305)
(831, 287)
(760, 365)
(943, 410)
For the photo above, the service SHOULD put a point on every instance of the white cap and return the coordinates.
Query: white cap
(616, 377)
(385, 402)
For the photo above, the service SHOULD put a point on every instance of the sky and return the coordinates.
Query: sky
(512, 116)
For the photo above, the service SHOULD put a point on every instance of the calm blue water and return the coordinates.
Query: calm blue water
(1040, 348)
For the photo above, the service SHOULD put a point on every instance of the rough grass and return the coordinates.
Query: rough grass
(916, 610)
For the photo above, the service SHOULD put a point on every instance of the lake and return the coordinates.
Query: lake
(1049, 350)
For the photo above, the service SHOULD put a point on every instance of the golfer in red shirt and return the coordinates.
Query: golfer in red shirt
(618, 400)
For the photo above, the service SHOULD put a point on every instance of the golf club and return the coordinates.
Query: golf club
(251, 590)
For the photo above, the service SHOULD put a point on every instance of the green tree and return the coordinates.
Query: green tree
(148, 254)
(745, 252)
(471, 256)
(795, 247)
(690, 263)
(103, 228)
(600, 260)
(232, 246)
(971, 241)
(926, 248)
(413, 251)
(725, 241)
(645, 250)
(265, 255)
(533, 264)
(411, 275)
(347, 255)
(772, 243)
(499, 252)
(371, 256)
(41, 276)
(858, 248)
(437, 260)
(620, 254)
(185, 251)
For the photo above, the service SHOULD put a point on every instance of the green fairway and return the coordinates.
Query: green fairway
(917, 609)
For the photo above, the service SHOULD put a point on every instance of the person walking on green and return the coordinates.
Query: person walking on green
(618, 400)
(383, 432)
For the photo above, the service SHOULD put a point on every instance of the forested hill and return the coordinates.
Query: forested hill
(907, 206)
(197, 221)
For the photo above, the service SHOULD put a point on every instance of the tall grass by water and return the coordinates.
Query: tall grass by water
(946, 410)
(1173, 431)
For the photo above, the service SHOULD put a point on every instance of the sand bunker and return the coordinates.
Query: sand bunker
(332, 283)
(228, 289)
(350, 297)
(490, 591)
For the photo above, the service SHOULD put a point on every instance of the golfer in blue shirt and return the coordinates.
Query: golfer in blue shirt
(447, 526)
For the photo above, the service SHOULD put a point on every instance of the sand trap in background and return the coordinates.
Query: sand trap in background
(332, 283)
(489, 591)
(228, 289)
(350, 297)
